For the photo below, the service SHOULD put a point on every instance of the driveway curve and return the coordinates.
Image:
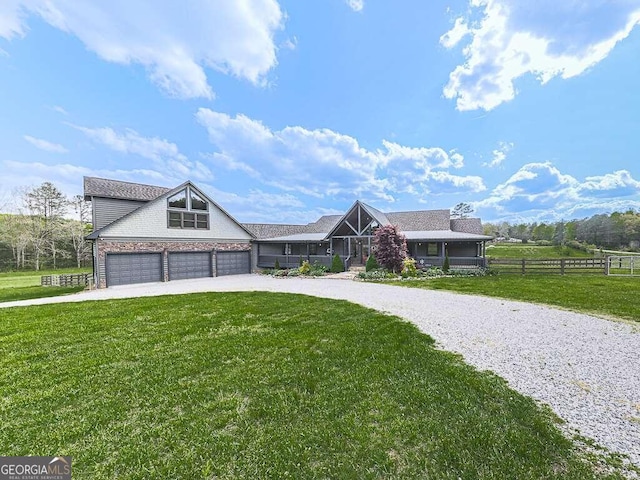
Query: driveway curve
(586, 369)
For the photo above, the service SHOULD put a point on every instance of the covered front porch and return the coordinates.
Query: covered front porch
(291, 255)
(461, 254)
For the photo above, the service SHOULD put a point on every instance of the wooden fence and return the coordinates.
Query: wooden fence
(66, 280)
(551, 266)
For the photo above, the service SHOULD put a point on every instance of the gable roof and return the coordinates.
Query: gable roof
(162, 197)
(274, 230)
(106, 188)
(435, 225)
(377, 215)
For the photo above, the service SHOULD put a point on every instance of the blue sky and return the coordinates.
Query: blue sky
(286, 110)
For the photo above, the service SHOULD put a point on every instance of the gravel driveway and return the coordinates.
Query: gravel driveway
(587, 369)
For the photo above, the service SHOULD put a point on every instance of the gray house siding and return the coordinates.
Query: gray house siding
(108, 210)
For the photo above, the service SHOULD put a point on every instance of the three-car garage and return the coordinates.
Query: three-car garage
(132, 268)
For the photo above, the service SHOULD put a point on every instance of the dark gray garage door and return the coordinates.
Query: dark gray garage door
(233, 263)
(126, 268)
(189, 265)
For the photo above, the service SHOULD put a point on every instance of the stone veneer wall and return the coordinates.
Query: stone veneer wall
(111, 246)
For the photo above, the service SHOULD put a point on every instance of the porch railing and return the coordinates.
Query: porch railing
(292, 261)
(454, 262)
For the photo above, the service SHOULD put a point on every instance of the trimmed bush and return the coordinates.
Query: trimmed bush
(276, 265)
(409, 268)
(336, 264)
(371, 264)
(305, 268)
(445, 265)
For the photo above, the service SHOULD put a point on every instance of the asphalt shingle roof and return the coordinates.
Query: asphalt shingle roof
(106, 188)
(467, 225)
(420, 220)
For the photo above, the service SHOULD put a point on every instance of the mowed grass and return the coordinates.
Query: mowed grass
(598, 294)
(27, 293)
(533, 251)
(260, 385)
(26, 285)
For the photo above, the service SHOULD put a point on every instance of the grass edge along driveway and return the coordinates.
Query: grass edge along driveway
(610, 297)
(261, 385)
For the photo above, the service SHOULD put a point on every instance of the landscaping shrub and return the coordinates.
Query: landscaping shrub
(391, 248)
(336, 264)
(409, 268)
(445, 265)
(317, 269)
(379, 274)
(305, 268)
(276, 265)
(371, 264)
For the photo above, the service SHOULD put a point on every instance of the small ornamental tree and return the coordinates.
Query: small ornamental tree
(391, 248)
(336, 264)
(371, 263)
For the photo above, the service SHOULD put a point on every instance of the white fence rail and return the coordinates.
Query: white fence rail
(618, 265)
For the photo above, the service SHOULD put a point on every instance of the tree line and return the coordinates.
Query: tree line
(48, 232)
(615, 231)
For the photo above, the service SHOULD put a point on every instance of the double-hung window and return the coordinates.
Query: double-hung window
(187, 209)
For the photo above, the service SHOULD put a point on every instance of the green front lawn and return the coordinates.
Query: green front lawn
(32, 278)
(598, 294)
(26, 285)
(27, 293)
(260, 385)
(533, 251)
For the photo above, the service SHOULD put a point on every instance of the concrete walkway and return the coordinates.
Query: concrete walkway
(585, 368)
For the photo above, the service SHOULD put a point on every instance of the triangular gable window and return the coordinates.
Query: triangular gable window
(357, 222)
(187, 209)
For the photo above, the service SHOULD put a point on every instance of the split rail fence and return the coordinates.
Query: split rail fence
(66, 280)
(551, 266)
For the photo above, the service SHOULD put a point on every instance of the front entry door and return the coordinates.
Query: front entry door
(359, 251)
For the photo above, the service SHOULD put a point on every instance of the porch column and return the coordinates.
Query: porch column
(348, 246)
(331, 247)
(308, 258)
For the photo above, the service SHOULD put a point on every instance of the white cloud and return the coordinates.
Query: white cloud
(290, 44)
(68, 177)
(540, 191)
(499, 155)
(45, 145)
(619, 184)
(164, 154)
(59, 109)
(355, 5)
(324, 163)
(459, 30)
(11, 21)
(174, 41)
(544, 38)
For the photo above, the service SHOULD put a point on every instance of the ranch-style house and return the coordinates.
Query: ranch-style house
(144, 233)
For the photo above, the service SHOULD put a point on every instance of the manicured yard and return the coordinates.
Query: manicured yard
(599, 294)
(32, 278)
(27, 293)
(533, 251)
(260, 385)
(26, 285)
